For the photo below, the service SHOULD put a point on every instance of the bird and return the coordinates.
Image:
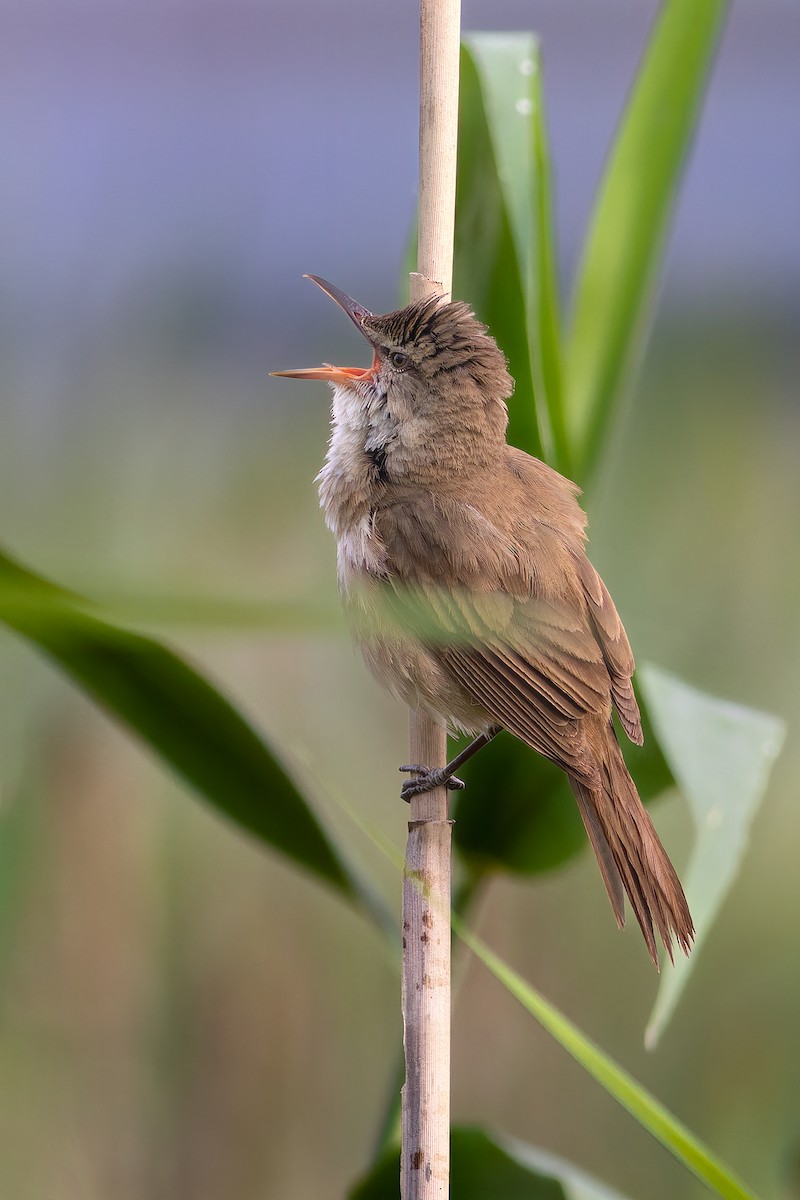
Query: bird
(462, 564)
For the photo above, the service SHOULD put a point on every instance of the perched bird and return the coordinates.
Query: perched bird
(462, 564)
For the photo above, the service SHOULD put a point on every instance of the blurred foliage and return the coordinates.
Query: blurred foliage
(486, 265)
(484, 1169)
(517, 815)
(504, 252)
(535, 825)
(625, 244)
(651, 1114)
(723, 754)
(178, 714)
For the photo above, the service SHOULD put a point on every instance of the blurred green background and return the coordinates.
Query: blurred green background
(183, 1015)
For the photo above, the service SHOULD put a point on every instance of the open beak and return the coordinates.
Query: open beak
(327, 372)
(355, 311)
(357, 314)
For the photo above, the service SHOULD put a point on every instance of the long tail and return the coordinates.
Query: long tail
(631, 857)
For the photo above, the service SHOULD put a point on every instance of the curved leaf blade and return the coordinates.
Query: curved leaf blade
(483, 1166)
(576, 1184)
(186, 721)
(509, 75)
(518, 812)
(624, 247)
(486, 268)
(646, 1110)
(721, 755)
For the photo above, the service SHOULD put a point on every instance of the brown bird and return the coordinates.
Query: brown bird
(462, 564)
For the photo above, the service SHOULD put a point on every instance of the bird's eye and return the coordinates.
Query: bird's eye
(398, 358)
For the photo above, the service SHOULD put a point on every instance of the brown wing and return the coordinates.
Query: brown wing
(538, 651)
(615, 646)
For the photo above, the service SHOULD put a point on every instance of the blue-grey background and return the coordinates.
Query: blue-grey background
(196, 159)
(183, 1016)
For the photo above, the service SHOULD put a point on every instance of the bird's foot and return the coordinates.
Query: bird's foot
(426, 780)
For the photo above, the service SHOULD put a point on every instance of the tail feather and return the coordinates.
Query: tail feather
(631, 857)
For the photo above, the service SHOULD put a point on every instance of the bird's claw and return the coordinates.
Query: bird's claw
(427, 780)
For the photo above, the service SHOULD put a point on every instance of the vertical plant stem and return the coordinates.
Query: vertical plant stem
(425, 1153)
(464, 898)
(440, 28)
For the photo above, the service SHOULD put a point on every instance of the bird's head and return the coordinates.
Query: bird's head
(437, 376)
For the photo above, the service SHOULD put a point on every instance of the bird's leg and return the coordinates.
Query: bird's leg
(427, 779)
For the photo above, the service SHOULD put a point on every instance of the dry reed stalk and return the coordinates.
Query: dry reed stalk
(425, 1154)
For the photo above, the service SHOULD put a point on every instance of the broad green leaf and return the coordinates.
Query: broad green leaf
(721, 755)
(502, 76)
(486, 269)
(518, 812)
(624, 248)
(504, 246)
(483, 1167)
(178, 714)
(649, 1112)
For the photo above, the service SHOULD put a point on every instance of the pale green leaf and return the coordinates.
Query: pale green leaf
(487, 1167)
(506, 67)
(720, 755)
(575, 1183)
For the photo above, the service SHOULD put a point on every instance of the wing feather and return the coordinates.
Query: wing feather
(615, 647)
(538, 664)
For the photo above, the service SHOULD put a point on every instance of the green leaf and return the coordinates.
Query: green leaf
(509, 72)
(721, 755)
(504, 245)
(575, 1183)
(649, 1112)
(483, 1167)
(624, 249)
(518, 812)
(178, 714)
(486, 271)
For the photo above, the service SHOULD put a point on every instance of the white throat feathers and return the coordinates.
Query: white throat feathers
(362, 431)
